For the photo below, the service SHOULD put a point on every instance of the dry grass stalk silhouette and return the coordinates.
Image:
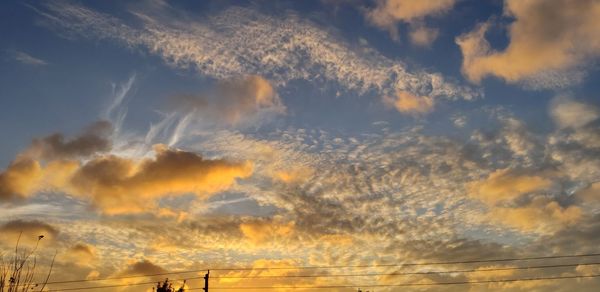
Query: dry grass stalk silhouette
(17, 273)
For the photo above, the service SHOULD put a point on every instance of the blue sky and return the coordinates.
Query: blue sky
(269, 133)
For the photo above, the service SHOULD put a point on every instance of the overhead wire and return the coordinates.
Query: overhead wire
(329, 267)
(352, 286)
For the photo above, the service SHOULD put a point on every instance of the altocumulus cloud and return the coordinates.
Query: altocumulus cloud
(239, 41)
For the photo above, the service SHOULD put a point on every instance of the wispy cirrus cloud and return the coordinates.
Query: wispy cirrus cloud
(27, 59)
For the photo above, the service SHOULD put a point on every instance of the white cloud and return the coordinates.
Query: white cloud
(571, 113)
(28, 59)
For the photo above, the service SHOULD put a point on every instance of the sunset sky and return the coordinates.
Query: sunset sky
(147, 137)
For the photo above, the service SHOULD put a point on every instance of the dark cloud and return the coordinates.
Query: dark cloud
(83, 249)
(28, 231)
(94, 139)
(143, 267)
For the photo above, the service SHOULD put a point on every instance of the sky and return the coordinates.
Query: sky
(154, 136)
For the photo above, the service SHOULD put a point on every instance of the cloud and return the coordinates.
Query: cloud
(423, 36)
(405, 102)
(507, 184)
(27, 59)
(235, 101)
(27, 230)
(570, 113)
(79, 254)
(576, 143)
(143, 267)
(589, 194)
(261, 231)
(26, 175)
(118, 185)
(371, 193)
(94, 139)
(550, 42)
(504, 192)
(240, 42)
(20, 179)
(542, 215)
(387, 13)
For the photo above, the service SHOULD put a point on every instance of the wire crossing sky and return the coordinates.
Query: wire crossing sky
(421, 145)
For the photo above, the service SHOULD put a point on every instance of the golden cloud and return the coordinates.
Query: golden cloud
(545, 36)
(234, 101)
(269, 276)
(79, 254)
(406, 102)
(119, 185)
(506, 184)
(297, 174)
(20, 179)
(589, 194)
(542, 215)
(423, 36)
(262, 231)
(387, 13)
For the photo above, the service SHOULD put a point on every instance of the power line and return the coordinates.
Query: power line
(329, 267)
(346, 286)
(408, 273)
(117, 285)
(337, 275)
(408, 284)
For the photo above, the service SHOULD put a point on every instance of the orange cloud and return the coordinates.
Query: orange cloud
(261, 231)
(79, 254)
(506, 184)
(423, 36)
(117, 185)
(387, 13)
(269, 276)
(406, 102)
(297, 174)
(234, 101)
(546, 36)
(589, 194)
(20, 179)
(542, 216)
